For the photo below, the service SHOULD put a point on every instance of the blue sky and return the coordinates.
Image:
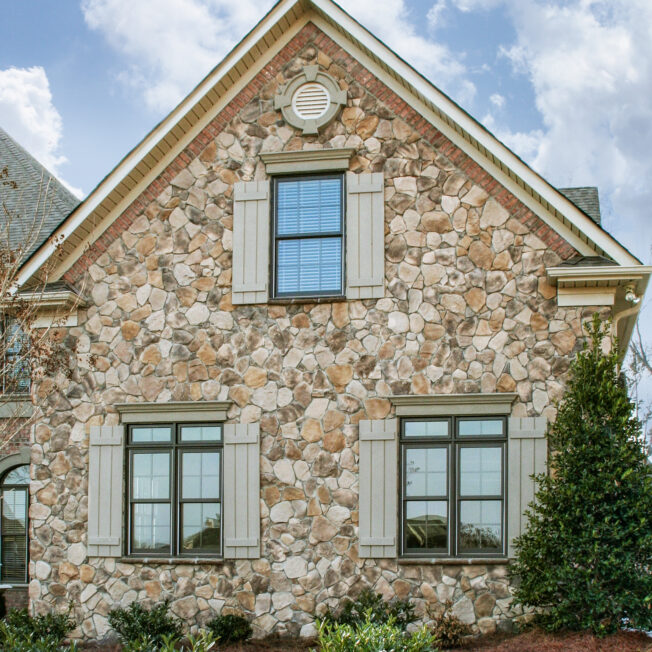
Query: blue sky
(566, 83)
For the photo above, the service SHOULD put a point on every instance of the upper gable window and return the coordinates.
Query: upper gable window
(308, 236)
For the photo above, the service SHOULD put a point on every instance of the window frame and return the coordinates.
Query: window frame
(275, 238)
(453, 444)
(175, 447)
(12, 388)
(25, 489)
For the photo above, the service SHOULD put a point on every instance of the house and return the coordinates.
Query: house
(32, 204)
(328, 315)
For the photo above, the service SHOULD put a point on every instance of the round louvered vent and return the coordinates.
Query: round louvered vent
(311, 101)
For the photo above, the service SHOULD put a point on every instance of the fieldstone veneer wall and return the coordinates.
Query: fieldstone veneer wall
(466, 309)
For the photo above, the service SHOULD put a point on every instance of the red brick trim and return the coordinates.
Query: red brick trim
(311, 34)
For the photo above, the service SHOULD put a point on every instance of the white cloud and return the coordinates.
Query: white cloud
(590, 64)
(497, 100)
(28, 115)
(169, 45)
(436, 14)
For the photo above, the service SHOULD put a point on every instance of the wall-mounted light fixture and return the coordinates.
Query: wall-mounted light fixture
(630, 294)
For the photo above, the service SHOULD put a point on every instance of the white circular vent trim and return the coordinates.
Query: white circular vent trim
(311, 101)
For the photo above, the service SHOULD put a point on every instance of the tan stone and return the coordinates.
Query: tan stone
(240, 395)
(564, 341)
(333, 419)
(366, 127)
(481, 254)
(130, 329)
(377, 408)
(207, 355)
(538, 322)
(340, 314)
(340, 375)
(475, 298)
(151, 355)
(506, 384)
(433, 331)
(255, 377)
(322, 529)
(436, 221)
(334, 441)
(311, 430)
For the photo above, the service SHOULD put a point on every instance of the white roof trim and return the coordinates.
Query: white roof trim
(494, 149)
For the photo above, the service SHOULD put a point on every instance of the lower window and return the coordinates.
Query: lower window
(453, 487)
(174, 489)
(13, 526)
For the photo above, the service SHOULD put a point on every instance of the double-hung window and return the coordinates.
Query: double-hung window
(14, 494)
(453, 486)
(308, 236)
(174, 489)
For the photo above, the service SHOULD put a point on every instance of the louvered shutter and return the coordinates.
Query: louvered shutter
(105, 491)
(527, 455)
(251, 219)
(378, 488)
(241, 499)
(365, 236)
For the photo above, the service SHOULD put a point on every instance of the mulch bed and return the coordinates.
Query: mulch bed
(532, 641)
(538, 641)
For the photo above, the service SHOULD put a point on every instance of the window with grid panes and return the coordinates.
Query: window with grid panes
(13, 525)
(308, 236)
(453, 486)
(174, 489)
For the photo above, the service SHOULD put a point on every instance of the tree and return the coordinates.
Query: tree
(585, 560)
(31, 340)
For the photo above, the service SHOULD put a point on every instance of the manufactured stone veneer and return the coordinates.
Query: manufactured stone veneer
(466, 309)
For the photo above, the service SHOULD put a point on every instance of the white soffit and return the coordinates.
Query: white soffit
(279, 25)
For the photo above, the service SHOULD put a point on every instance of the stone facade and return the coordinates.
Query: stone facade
(467, 308)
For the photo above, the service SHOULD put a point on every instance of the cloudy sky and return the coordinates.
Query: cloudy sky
(566, 83)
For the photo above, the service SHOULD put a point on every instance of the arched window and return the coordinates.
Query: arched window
(14, 491)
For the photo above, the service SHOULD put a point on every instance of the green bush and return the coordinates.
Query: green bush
(135, 624)
(230, 628)
(20, 632)
(448, 630)
(372, 606)
(369, 636)
(203, 642)
(584, 560)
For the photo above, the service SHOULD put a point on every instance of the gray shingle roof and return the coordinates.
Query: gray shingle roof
(34, 197)
(586, 199)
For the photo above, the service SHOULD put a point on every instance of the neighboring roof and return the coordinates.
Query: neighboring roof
(284, 21)
(586, 198)
(587, 261)
(32, 194)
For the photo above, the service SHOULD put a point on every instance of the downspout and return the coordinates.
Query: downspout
(628, 312)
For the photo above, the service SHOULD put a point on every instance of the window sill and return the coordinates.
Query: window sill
(453, 561)
(158, 561)
(288, 301)
(18, 585)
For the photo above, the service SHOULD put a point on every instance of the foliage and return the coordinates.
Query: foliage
(449, 631)
(585, 558)
(203, 642)
(135, 623)
(372, 606)
(29, 350)
(20, 632)
(370, 636)
(230, 628)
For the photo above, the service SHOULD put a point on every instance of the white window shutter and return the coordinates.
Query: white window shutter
(105, 491)
(251, 220)
(241, 499)
(527, 456)
(378, 489)
(365, 236)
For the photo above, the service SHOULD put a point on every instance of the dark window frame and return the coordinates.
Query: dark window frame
(20, 487)
(275, 238)
(453, 443)
(175, 448)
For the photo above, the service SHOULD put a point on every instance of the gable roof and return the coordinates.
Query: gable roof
(167, 140)
(34, 195)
